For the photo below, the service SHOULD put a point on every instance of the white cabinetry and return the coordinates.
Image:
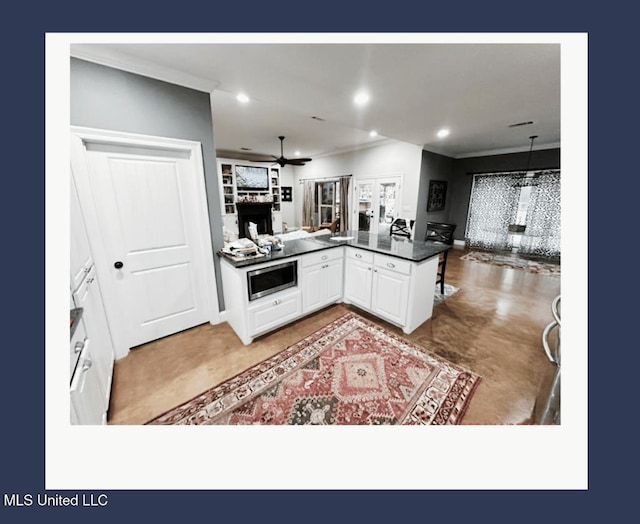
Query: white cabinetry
(391, 288)
(321, 278)
(273, 312)
(87, 398)
(397, 290)
(250, 319)
(91, 381)
(89, 298)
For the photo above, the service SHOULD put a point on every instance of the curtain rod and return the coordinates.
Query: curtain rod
(333, 179)
(508, 172)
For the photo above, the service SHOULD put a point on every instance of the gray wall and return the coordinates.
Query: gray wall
(459, 190)
(107, 98)
(433, 167)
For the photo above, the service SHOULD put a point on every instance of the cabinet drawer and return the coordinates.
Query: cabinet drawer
(274, 312)
(321, 256)
(393, 264)
(360, 254)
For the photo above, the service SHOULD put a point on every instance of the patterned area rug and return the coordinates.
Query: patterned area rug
(351, 372)
(448, 291)
(513, 261)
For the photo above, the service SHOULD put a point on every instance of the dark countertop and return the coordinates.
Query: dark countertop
(399, 247)
(290, 248)
(395, 246)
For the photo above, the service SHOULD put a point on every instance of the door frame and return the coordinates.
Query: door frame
(375, 196)
(80, 170)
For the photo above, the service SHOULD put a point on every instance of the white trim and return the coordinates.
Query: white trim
(117, 60)
(460, 243)
(80, 136)
(504, 151)
(357, 147)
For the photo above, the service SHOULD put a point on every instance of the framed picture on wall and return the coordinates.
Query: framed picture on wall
(437, 195)
(286, 193)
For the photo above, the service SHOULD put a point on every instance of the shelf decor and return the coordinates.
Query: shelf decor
(287, 193)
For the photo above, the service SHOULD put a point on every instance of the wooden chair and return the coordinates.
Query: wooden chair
(440, 233)
(400, 227)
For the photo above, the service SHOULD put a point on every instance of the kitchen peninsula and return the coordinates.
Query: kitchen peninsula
(392, 278)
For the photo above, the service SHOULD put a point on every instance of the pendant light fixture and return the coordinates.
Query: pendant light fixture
(528, 180)
(532, 138)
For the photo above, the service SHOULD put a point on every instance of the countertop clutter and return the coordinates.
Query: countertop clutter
(398, 247)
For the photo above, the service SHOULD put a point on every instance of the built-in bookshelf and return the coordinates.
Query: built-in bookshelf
(275, 188)
(228, 189)
(230, 194)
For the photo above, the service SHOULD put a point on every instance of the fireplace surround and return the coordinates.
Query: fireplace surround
(257, 212)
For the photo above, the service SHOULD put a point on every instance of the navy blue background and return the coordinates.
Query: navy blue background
(612, 184)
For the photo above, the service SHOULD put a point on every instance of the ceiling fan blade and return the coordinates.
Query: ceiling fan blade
(272, 159)
(295, 162)
(303, 159)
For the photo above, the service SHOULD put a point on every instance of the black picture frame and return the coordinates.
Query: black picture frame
(287, 193)
(437, 195)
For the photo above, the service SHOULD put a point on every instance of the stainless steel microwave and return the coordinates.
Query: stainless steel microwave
(271, 279)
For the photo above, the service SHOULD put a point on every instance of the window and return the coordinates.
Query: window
(328, 201)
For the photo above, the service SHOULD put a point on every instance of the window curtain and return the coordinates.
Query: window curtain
(345, 182)
(493, 206)
(542, 234)
(308, 203)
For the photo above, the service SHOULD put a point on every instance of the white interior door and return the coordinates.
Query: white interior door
(147, 222)
(376, 203)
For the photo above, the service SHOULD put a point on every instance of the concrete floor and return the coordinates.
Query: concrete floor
(492, 326)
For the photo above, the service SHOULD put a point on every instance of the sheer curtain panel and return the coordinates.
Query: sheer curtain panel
(493, 206)
(542, 236)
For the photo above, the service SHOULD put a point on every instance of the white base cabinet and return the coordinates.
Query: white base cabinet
(88, 404)
(321, 278)
(391, 288)
(91, 382)
(396, 290)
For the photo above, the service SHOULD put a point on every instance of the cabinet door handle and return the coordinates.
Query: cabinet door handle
(90, 280)
(369, 268)
(324, 257)
(358, 255)
(78, 347)
(276, 302)
(375, 270)
(86, 364)
(390, 264)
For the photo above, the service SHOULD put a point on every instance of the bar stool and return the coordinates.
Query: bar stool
(440, 233)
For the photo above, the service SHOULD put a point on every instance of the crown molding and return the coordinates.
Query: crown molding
(125, 62)
(507, 150)
(358, 147)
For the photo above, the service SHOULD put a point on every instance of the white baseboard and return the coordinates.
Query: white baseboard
(459, 243)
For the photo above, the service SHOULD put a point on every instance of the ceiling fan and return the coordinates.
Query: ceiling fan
(282, 161)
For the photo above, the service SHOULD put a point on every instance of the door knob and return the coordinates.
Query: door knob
(118, 265)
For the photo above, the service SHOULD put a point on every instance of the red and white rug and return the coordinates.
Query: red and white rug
(350, 372)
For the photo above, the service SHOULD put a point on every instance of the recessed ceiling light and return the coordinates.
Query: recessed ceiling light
(242, 98)
(442, 133)
(361, 98)
(297, 153)
(373, 133)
